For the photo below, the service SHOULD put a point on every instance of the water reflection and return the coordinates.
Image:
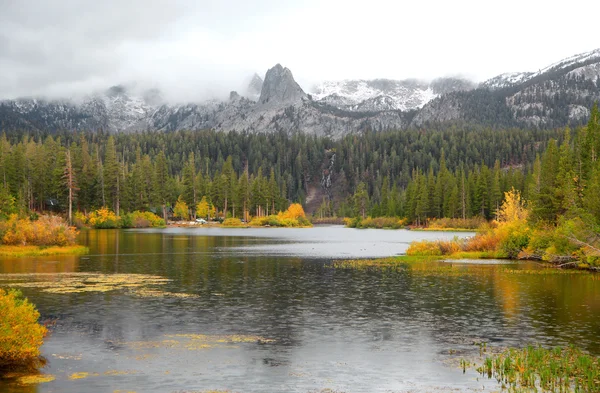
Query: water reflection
(348, 330)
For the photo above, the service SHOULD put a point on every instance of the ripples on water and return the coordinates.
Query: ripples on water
(348, 330)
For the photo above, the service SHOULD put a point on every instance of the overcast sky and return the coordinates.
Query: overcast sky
(195, 49)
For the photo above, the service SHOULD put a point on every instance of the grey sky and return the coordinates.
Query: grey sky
(196, 49)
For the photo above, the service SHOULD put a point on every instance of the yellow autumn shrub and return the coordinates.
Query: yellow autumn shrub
(45, 231)
(20, 333)
(103, 218)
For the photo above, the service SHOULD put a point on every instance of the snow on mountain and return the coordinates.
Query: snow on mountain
(580, 58)
(507, 79)
(384, 94)
(515, 78)
(558, 96)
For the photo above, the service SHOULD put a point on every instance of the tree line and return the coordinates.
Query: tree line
(261, 173)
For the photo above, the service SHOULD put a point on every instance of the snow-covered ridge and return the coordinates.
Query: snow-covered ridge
(515, 78)
(506, 80)
(375, 94)
(569, 61)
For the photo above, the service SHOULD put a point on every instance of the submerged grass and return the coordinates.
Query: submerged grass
(38, 251)
(141, 285)
(195, 342)
(533, 369)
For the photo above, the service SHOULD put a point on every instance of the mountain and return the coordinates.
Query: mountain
(279, 88)
(554, 96)
(557, 95)
(254, 87)
(385, 94)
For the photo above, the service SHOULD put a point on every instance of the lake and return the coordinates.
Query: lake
(264, 310)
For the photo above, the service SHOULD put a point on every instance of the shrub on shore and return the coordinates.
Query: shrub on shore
(455, 223)
(294, 216)
(138, 219)
(105, 218)
(45, 231)
(233, 223)
(20, 334)
(377, 222)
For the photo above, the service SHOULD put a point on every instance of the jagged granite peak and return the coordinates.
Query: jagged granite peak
(280, 88)
(254, 87)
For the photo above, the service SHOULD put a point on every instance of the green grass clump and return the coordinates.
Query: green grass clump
(534, 369)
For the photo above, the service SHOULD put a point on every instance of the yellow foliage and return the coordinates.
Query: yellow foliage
(513, 207)
(20, 334)
(138, 219)
(423, 248)
(295, 211)
(46, 231)
(181, 209)
(203, 208)
(103, 218)
(233, 222)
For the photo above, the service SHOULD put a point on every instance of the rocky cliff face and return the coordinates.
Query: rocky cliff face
(279, 88)
(555, 96)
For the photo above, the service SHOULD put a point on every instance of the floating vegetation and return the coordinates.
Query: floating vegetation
(35, 379)
(66, 356)
(533, 369)
(194, 342)
(63, 283)
(82, 375)
(161, 294)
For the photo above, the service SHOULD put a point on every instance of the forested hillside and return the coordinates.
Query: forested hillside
(148, 170)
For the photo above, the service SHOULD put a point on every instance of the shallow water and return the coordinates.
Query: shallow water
(263, 310)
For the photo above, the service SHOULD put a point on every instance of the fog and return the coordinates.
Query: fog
(194, 50)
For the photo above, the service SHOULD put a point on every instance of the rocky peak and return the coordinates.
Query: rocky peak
(254, 87)
(279, 87)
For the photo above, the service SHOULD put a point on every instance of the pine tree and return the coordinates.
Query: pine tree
(70, 182)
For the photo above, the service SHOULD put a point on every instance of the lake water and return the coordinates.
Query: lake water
(264, 310)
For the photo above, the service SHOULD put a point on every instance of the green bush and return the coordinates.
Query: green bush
(233, 222)
(138, 219)
(20, 333)
(514, 243)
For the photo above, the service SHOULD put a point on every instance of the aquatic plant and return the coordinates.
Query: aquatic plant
(21, 335)
(64, 283)
(542, 369)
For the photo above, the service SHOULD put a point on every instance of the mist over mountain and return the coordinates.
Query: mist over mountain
(554, 96)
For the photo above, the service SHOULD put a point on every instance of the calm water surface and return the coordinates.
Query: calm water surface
(276, 317)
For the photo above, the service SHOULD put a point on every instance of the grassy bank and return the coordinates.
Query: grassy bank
(38, 251)
(541, 369)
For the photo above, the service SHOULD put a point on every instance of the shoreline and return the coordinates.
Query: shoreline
(39, 251)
